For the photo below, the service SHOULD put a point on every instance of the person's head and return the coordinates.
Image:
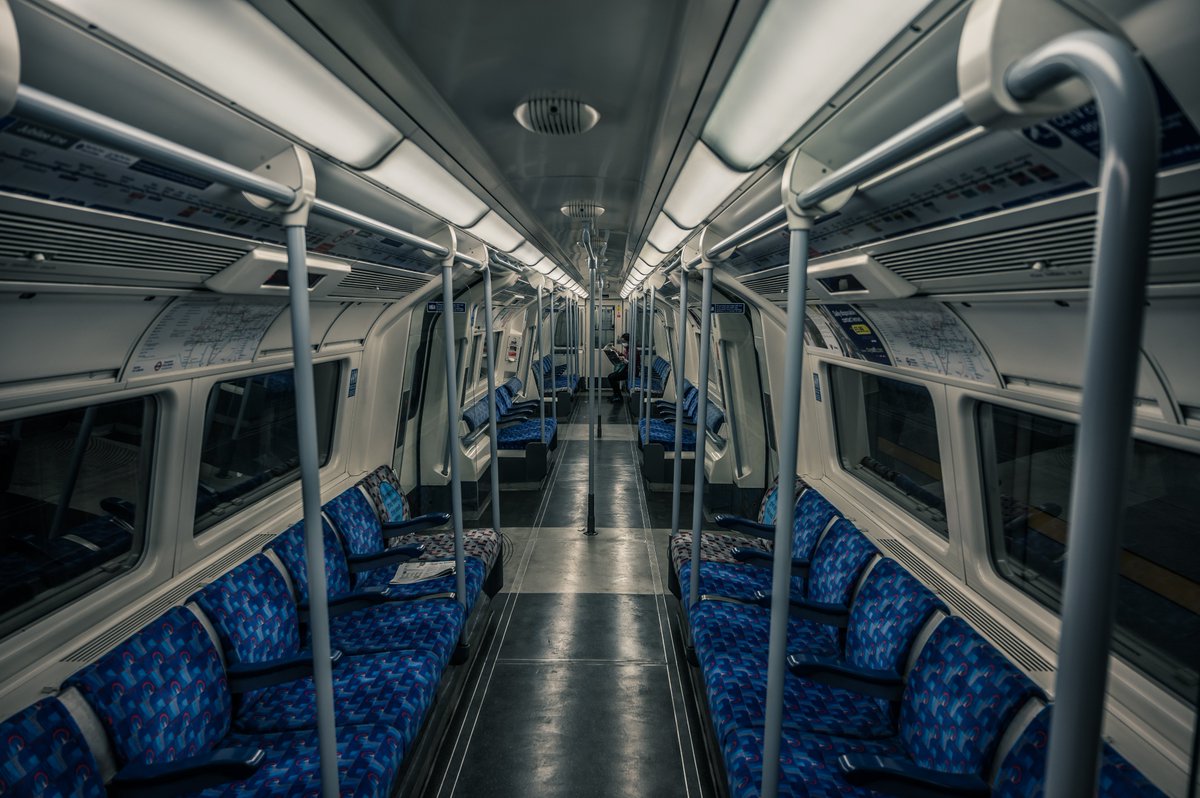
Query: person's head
(624, 338)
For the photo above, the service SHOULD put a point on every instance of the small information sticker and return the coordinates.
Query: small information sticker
(729, 307)
(353, 383)
(436, 307)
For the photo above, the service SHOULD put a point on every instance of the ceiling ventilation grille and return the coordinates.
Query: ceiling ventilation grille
(582, 210)
(366, 282)
(968, 609)
(556, 116)
(1175, 232)
(33, 240)
(176, 595)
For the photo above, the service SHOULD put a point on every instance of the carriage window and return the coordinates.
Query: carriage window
(1027, 468)
(250, 447)
(71, 503)
(887, 437)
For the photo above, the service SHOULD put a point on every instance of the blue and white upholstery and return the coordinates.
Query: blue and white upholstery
(45, 754)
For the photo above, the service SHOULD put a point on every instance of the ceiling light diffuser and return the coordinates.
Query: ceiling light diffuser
(236, 53)
(666, 235)
(651, 256)
(799, 56)
(528, 254)
(702, 185)
(496, 232)
(412, 174)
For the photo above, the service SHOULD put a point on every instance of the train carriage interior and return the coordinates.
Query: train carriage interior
(734, 399)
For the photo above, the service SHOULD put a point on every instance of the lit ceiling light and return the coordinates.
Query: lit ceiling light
(666, 235)
(558, 275)
(236, 53)
(651, 256)
(496, 232)
(528, 254)
(641, 268)
(702, 185)
(798, 57)
(412, 174)
(544, 266)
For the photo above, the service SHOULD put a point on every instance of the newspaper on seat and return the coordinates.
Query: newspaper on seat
(410, 572)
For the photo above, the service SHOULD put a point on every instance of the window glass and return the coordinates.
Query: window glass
(250, 447)
(71, 492)
(1027, 466)
(887, 437)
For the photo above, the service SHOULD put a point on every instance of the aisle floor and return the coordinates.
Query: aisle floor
(579, 692)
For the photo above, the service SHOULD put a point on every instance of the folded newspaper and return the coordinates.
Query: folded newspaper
(410, 572)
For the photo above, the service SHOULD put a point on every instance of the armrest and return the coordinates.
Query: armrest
(369, 562)
(247, 676)
(765, 559)
(876, 683)
(395, 529)
(351, 602)
(527, 403)
(905, 779)
(189, 775)
(121, 509)
(746, 526)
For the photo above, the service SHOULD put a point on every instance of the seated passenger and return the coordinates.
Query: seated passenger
(619, 374)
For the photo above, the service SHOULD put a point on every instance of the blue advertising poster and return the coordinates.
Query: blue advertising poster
(859, 332)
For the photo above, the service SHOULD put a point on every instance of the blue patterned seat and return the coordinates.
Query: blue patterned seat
(1022, 774)
(519, 434)
(662, 432)
(382, 488)
(162, 697)
(45, 754)
(256, 620)
(842, 550)
(959, 699)
(425, 625)
(886, 615)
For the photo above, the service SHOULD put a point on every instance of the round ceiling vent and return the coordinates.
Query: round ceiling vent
(556, 116)
(582, 210)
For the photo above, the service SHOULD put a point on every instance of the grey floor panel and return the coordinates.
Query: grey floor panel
(588, 565)
(578, 730)
(584, 626)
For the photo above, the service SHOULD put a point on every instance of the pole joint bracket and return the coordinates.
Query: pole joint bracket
(293, 168)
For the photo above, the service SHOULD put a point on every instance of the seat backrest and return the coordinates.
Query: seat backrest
(162, 694)
(253, 612)
(354, 518)
(960, 697)
(477, 415)
(513, 385)
(813, 514)
(887, 613)
(662, 367)
(714, 418)
(45, 754)
(838, 563)
(382, 487)
(1022, 774)
(289, 547)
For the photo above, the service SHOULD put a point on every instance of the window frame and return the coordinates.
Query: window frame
(52, 609)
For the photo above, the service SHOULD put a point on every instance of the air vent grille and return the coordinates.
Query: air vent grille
(84, 245)
(176, 595)
(370, 282)
(582, 210)
(1065, 243)
(556, 116)
(964, 606)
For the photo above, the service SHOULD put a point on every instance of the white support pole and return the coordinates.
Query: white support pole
(493, 452)
(591, 380)
(647, 393)
(680, 364)
(706, 270)
(553, 349)
(538, 373)
(635, 340)
(452, 416)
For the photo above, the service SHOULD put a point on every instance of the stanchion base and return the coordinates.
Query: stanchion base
(591, 515)
(462, 653)
(690, 653)
(599, 427)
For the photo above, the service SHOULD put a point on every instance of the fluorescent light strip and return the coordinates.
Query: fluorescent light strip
(798, 57)
(702, 185)
(236, 53)
(496, 232)
(528, 254)
(412, 174)
(651, 256)
(666, 235)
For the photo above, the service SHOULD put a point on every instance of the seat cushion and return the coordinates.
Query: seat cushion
(369, 759)
(807, 763)
(731, 580)
(714, 547)
(484, 544)
(663, 432)
(429, 625)
(395, 688)
(427, 587)
(44, 754)
(517, 436)
(727, 628)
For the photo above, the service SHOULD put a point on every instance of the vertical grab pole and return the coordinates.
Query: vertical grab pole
(1125, 101)
(706, 271)
(635, 340)
(553, 349)
(493, 454)
(82, 439)
(680, 361)
(294, 166)
(541, 376)
(452, 413)
(647, 392)
(591, 379)
(781, 574)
